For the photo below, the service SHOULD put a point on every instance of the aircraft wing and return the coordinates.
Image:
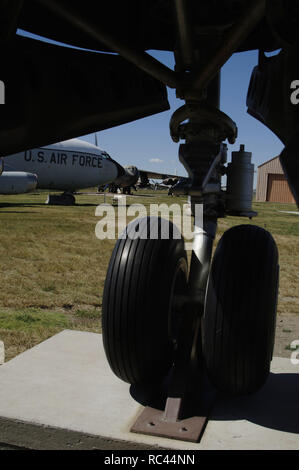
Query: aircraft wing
(157, 176)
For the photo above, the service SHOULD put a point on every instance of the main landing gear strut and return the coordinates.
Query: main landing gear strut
(182, 332)
(161, 325)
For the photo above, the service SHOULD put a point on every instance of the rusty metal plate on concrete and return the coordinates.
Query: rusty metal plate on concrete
(153, 422)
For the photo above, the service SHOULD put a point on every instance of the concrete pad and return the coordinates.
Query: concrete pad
(61, 394)
(290, 212)
(2, 353)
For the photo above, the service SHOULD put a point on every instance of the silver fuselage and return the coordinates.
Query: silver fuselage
(69, 165)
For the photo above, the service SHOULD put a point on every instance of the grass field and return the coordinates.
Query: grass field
(54, 267)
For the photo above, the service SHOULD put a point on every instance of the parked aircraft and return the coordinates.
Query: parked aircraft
(67, 166)
(75, 164)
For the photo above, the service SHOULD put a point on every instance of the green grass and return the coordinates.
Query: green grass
(54, 267)
(289, 348)
(21, 329)
(28, 319)
(90, 314)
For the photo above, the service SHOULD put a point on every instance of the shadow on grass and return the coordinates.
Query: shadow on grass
(39, 204)
(20, 204)
(18, 212)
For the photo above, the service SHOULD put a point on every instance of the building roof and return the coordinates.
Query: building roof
(268, 161)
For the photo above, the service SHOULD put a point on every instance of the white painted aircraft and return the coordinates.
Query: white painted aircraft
(74, 164)
(67, 166)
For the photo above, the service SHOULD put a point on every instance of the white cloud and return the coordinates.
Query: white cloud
(155, 160)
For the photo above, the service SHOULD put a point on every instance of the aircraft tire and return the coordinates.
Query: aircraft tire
(238, 326)
(138, 319)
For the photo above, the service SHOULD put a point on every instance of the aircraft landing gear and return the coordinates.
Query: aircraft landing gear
(127, 190)
(238, 325)
(65, 199)
(215, 329)
(139, 322)
(217, 325)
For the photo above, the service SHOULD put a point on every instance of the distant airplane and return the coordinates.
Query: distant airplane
(76, 164)
(134, 177)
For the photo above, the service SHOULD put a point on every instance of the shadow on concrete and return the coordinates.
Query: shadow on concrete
(150, 395)
(156, 395)
(275, 406)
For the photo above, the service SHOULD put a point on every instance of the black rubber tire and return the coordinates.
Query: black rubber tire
(238, 326)
(137, 318)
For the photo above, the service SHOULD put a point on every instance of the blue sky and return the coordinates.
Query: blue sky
(140, 142)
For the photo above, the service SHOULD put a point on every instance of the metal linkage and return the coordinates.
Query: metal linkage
(142, 60)
(202, 116)
(202, 162)
(204, 153)
(253, 13)
(189, 85)
(186, 51)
